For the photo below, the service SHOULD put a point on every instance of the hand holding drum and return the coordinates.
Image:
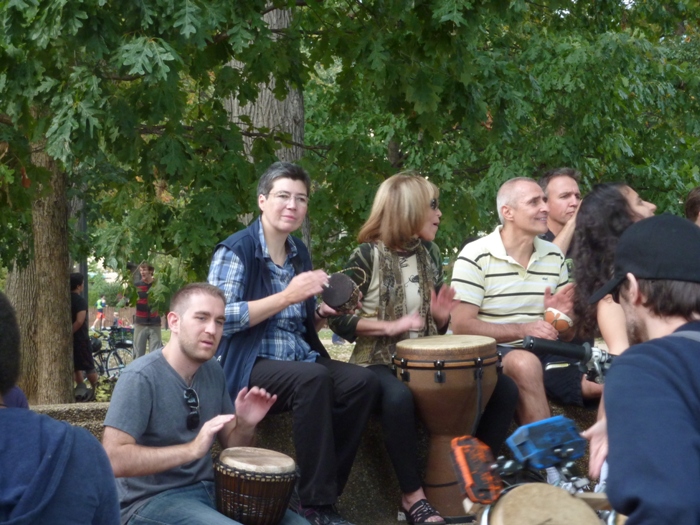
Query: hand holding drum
(342, 294)
(557, 319)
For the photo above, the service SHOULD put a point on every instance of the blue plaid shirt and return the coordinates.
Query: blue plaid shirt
(284, 335)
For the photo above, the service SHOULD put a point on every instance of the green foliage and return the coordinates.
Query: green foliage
(471, 95)
(130, 98)
(97, 285)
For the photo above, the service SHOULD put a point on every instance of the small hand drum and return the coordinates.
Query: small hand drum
(342, 293)
(557, 319)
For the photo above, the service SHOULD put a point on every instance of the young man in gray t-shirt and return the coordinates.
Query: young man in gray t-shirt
(166, 410)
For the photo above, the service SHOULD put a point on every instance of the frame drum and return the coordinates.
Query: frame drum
(537, 503)
(253, 485)
(452, 378)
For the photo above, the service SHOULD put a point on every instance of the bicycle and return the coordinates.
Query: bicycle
(110, 361)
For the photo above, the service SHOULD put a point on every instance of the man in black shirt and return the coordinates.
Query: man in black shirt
(562, 379)
(82, 351)
(563, 196)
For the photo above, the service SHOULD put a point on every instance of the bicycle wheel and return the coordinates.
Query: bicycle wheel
(100, 359)
(117, 360)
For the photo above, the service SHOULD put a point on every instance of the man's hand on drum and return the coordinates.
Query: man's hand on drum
(251, 407)
(204, 440)
(305, 285)
(441, 305)
(598, 436)
(563, 300)
(541, 329)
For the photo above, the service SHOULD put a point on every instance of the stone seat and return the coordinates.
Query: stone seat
(372, 495)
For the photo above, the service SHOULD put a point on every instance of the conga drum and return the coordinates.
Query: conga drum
(253, 485)
(537, 503)
(452, 378)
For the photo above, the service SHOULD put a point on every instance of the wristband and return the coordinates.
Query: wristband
(318, 312)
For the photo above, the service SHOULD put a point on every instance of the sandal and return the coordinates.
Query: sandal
(420, 512)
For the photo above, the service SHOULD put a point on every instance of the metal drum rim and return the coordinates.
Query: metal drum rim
(479, 340)
(455, 364)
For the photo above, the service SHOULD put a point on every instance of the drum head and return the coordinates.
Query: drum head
(340, 288)
(537, 503)
(250, 459)
(447, 347)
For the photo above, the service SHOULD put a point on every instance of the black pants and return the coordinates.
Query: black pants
(330, 403)
(399, 423)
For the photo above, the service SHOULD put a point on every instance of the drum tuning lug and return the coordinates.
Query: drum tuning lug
(439, 377)
(405, 376)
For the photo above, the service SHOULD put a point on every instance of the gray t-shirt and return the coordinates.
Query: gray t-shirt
(149, 404)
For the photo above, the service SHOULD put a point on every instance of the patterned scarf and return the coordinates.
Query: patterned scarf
(392, 300)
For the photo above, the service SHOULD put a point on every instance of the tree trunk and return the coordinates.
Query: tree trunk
(279, 116)
(22, 289)
(40, 294)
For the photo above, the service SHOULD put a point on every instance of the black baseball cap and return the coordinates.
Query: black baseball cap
(661, 247)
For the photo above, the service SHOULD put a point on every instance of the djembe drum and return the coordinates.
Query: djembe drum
(537, 503)
(253, 485)
(452, 378)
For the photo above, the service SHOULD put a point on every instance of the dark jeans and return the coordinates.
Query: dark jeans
(330, 403)
(398, 418)
(191, 505)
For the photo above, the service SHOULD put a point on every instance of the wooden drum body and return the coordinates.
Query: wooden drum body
(440, 371)
(537, 503)
(253, 485)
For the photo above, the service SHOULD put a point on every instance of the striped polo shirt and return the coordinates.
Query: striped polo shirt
(505, 292)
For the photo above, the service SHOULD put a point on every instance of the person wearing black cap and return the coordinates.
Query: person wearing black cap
(653, 389)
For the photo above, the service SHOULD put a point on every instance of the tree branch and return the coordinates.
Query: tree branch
(158, 130)
(121, 78)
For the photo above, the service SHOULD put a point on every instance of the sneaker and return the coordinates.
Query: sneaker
(83, 394)
(322, 515)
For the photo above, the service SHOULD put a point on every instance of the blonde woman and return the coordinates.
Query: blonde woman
(404, 297)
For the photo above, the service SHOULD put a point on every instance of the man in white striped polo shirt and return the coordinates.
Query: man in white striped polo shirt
(504, 282)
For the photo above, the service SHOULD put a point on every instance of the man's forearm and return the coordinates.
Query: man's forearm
(135, 460)
(502, 333)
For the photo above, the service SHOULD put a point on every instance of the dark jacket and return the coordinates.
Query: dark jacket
(53, 473)
(652, 400)
(237, 352)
